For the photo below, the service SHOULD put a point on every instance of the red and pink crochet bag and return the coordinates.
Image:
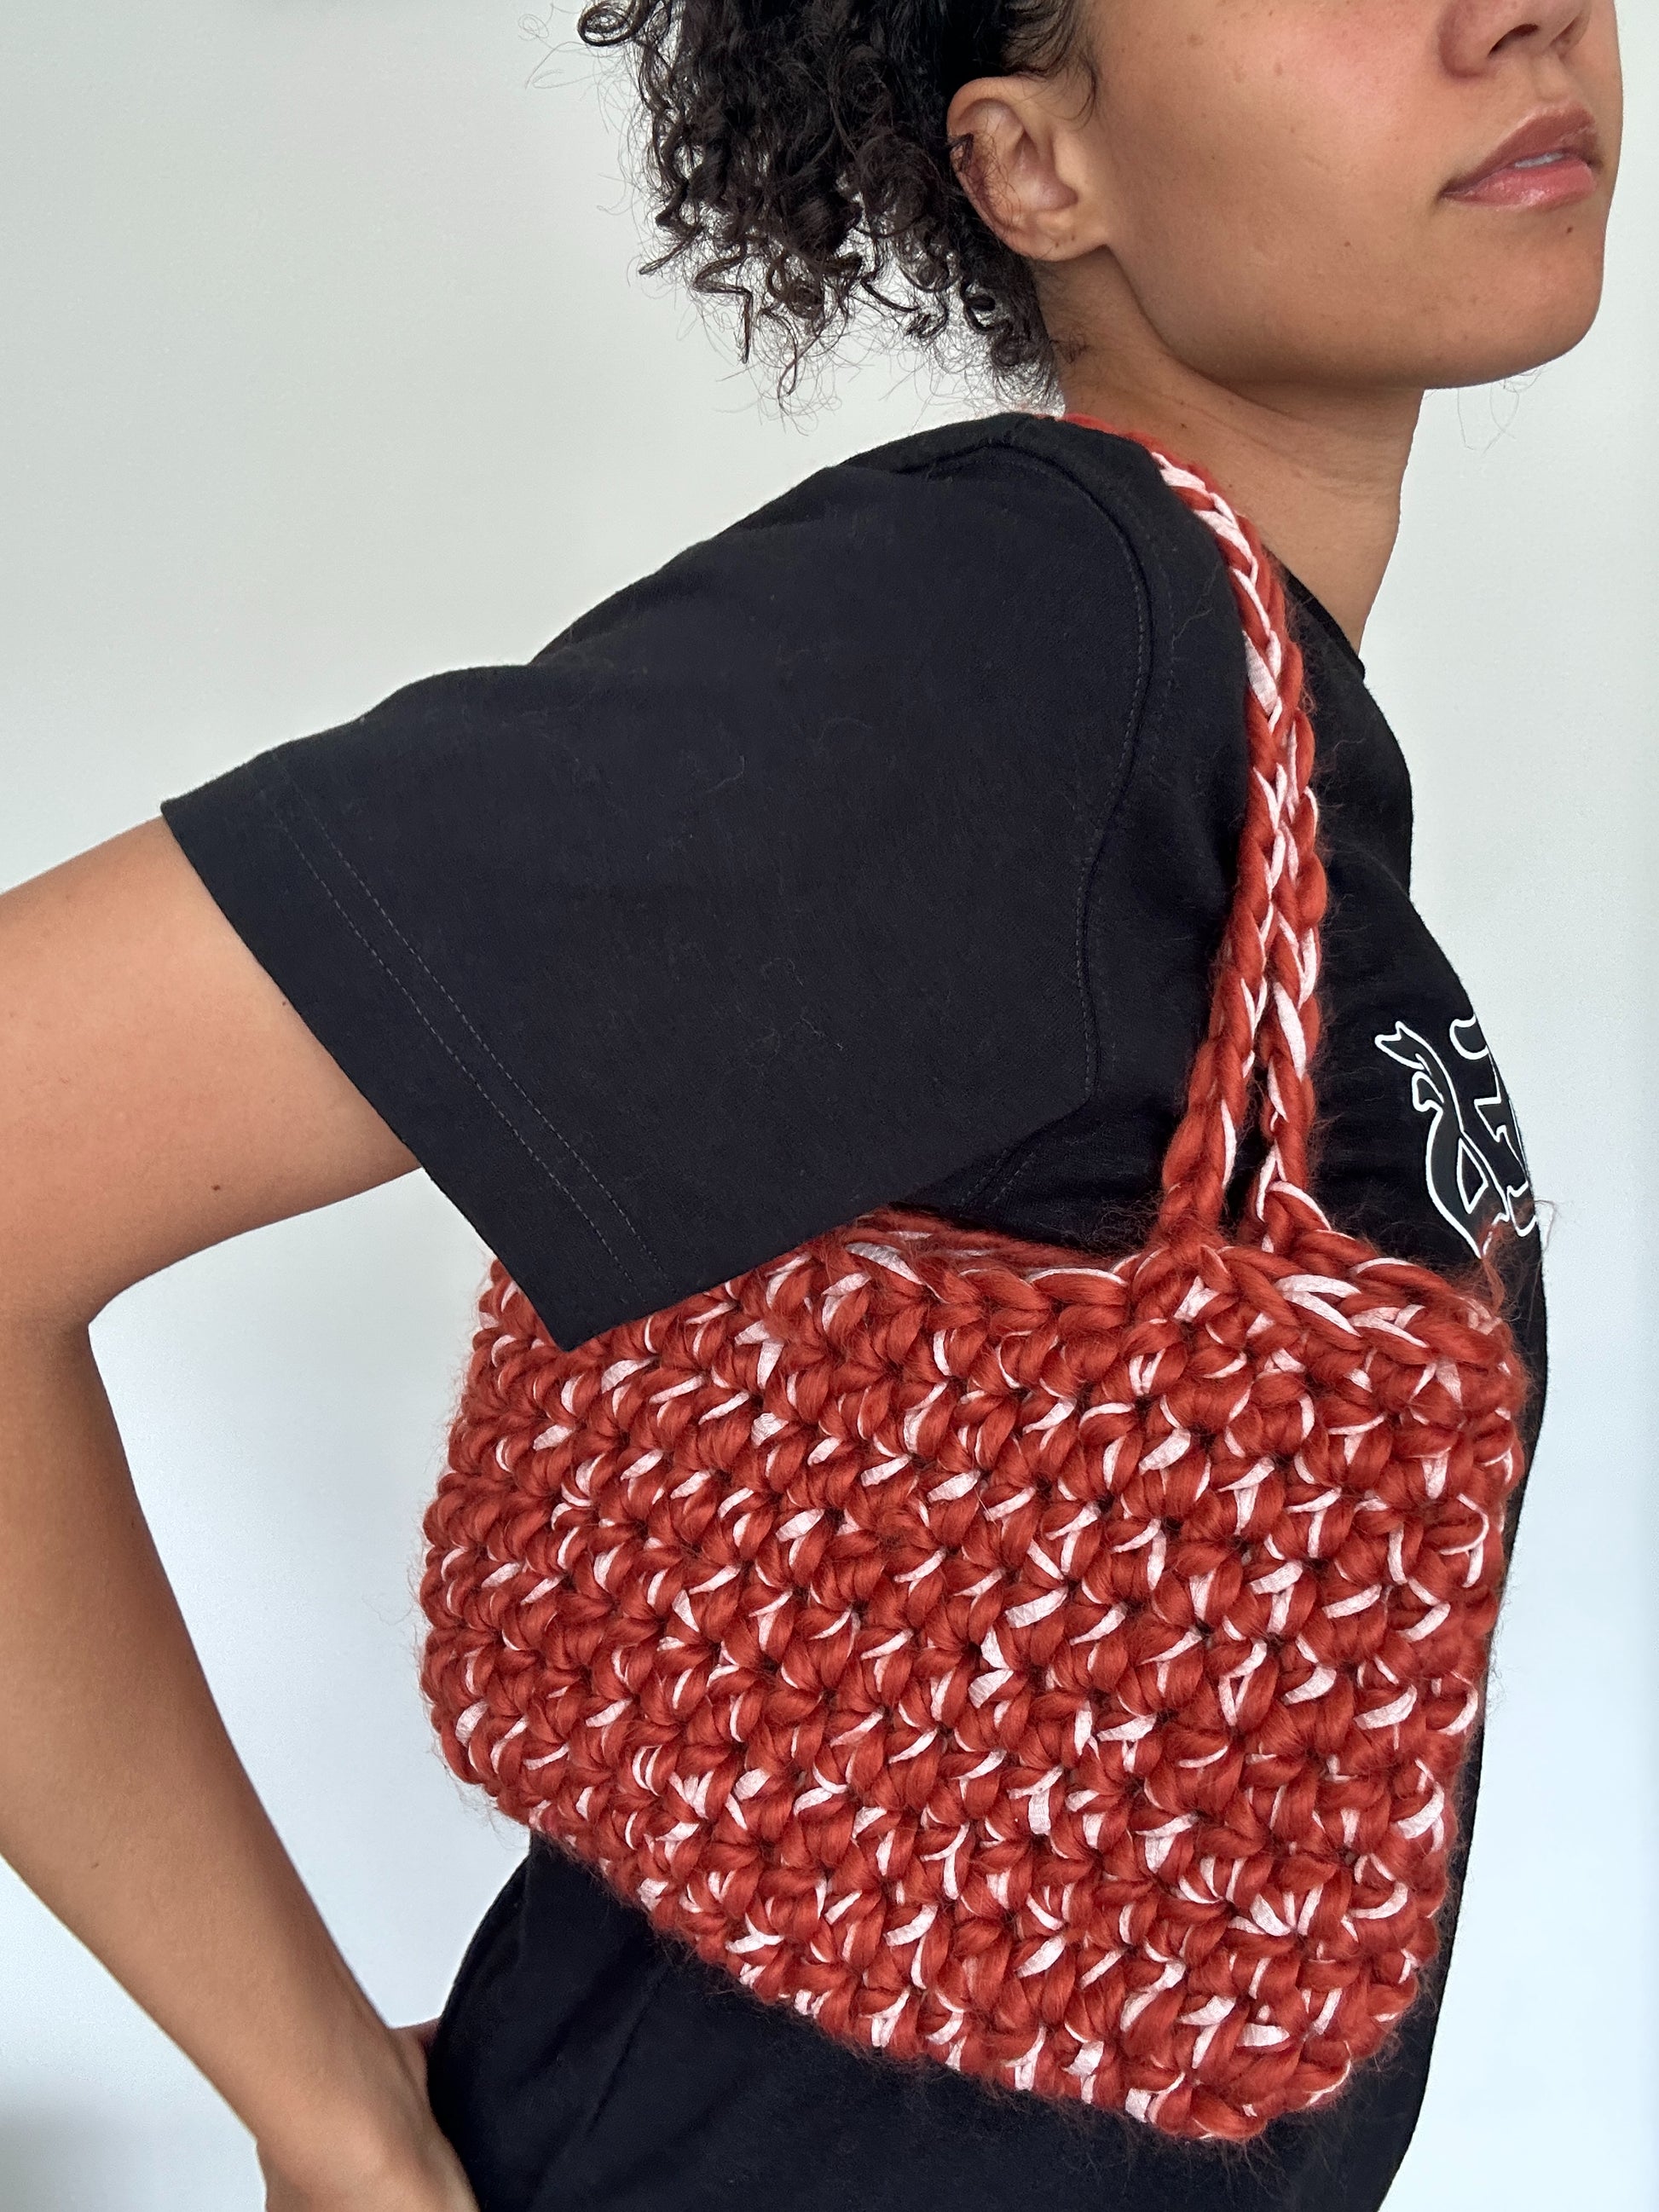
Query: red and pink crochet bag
(1054, 1665)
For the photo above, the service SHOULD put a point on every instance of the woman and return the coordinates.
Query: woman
(876, 849)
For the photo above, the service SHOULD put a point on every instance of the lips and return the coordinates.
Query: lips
(1553, 155)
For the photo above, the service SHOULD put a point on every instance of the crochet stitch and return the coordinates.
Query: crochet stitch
(1052, 1664)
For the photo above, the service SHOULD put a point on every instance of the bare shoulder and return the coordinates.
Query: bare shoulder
(157, 1092)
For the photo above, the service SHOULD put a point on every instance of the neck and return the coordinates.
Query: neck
(1318, 471)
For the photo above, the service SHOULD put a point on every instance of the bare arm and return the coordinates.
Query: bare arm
(157, 1094)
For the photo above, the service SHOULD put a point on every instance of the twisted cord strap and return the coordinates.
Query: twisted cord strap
(1263, 1010)
(1056, 1665)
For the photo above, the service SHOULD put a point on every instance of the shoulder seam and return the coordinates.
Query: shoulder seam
(1013, 1169)
(1131, 749)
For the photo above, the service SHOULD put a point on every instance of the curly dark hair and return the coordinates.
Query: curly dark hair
(799, 163)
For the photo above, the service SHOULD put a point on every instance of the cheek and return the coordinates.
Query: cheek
(1265, 190)
(1275, 177)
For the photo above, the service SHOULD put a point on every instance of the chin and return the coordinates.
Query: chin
(1504, 332)
(1496, 354)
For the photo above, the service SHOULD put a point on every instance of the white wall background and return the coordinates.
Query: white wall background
(325, 369)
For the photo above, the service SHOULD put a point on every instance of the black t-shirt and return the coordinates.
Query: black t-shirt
(876, 849)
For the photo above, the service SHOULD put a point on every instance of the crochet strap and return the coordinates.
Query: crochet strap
(1263, 1014)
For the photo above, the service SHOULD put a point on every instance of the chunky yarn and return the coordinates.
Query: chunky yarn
(1055, 1665)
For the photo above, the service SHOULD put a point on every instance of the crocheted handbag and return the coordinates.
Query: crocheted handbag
(1052, 1664)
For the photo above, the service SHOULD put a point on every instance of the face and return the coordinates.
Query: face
(1408, 192)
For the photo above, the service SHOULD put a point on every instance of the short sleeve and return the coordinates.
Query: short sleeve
(754, 900)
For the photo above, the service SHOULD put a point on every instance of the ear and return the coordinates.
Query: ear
(1023, 155)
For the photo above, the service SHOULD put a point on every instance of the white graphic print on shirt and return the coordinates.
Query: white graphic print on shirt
(1475, 1168)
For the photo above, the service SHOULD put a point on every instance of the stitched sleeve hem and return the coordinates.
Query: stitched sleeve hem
(366, 996)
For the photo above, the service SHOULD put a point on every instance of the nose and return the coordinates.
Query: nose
(1474, 30)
